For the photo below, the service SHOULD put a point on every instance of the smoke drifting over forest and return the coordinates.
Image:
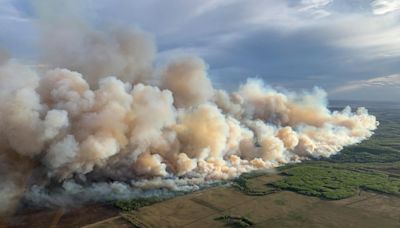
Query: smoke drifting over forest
(103, 122)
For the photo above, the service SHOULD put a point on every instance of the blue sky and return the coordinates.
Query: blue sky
(351, 48)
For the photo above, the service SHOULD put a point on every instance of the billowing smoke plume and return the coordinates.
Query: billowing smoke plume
(103, 123)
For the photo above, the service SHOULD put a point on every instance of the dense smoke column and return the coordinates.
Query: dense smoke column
(113, 117)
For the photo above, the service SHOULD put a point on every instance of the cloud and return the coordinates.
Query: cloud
(17, 35)
(314, 4)
(383, 81)
(211, 5)
(286, 42)
(381, 7)
(368, 37)
(316, 8)
(384, 88)
(9, 12)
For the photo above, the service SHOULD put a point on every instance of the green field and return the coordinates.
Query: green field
(336, 181)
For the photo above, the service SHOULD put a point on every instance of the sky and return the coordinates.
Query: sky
(350, 48)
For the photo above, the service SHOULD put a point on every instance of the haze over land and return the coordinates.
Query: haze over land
(103, 120)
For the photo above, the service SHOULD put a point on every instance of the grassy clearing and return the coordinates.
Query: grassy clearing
(280, 202)
(293, 215)
(241, 183)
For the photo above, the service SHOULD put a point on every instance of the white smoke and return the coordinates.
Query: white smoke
(138, 133)
(107, 119)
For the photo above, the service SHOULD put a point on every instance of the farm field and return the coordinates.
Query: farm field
(280, 209)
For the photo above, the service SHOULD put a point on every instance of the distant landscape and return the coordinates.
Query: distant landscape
(207, 113)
